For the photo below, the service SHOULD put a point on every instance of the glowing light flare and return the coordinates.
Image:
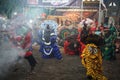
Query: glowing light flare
(112, 4)
(4, 18)
(15, 13)
(30, 21)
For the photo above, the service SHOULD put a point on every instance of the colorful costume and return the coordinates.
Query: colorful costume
(23, 42)
(92, 57)
(48, 45)
(92, 61)
(27, 45)
(73, 45)
(109, 49)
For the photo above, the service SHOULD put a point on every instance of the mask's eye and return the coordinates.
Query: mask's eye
(92, 50)
(95, 50)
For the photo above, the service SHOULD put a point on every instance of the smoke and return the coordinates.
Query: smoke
(9, 53)
(19, 25)
(8, 56)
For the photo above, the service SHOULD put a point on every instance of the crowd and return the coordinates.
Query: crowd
(91, 43)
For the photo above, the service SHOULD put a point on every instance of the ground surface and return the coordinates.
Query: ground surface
(70, 68)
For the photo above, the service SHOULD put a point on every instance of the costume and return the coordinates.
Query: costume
(73, 45)
(109, 48)
(27, 46)
(23, 42)
(92, 59)
(71, 41)
(64, 33)
(47, 40)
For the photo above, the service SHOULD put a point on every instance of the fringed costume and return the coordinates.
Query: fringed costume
(109, 48)
(92, 58)
(48, 44)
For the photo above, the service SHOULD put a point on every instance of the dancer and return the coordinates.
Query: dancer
(48, 44)
(92, 58)
(23, 43)
(109, 49)
(27, 46)
(72, 46)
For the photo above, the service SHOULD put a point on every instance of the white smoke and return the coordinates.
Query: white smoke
(8, 56)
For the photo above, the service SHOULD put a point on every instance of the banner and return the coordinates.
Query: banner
(32, 2)
(55, 3)
(50, 1)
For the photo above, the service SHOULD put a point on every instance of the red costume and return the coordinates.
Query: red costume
(25, 44)
(73, 45)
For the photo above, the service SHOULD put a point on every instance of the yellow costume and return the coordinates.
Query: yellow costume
(92, 61)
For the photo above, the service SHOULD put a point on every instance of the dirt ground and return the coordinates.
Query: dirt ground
(70, 68)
